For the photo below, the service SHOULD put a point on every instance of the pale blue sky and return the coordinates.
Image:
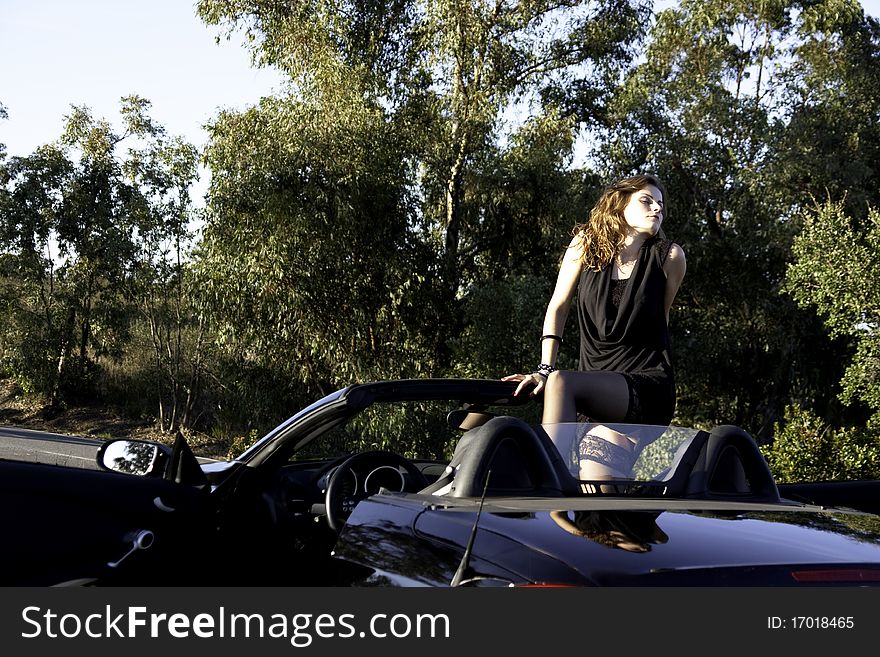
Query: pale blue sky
(55, 53)
(58, 53)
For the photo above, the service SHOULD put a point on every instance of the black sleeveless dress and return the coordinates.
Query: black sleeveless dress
(627, 332)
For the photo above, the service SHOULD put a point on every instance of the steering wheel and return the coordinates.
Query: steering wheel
(334, 501)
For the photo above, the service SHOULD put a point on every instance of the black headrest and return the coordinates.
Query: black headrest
(519, 457)
(731, 465)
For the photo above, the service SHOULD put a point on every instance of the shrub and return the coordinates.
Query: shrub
(807, 449)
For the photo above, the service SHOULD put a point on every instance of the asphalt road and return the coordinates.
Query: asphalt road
(44, 447)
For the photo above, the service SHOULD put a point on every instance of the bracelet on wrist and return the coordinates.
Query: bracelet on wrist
(544, 370)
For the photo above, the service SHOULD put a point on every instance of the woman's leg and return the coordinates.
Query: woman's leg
(602, 396)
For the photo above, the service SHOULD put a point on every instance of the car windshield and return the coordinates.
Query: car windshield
(628, 452)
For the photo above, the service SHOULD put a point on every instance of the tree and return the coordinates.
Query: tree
(160, 283)
(81, 227)
(832, 143)
(835, 271)
(716, 109)
(806, 449)
(485, 59)
(370, 208)
(31, 201)
(309, 260)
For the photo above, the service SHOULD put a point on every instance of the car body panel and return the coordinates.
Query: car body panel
(69, 524)
(670, 540)
(262, 518)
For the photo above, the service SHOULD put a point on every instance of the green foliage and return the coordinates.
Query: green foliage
(830, 82)
(87, 235)
(310, 261)
(835, 270)
(3, 115)
(400, 210)
(740, 107)
(351, 221)
(240, 443)
(806, 449)
(502, 329)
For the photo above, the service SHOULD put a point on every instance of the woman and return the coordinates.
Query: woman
(626, 278)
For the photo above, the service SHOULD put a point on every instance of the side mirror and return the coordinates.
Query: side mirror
(136, 457)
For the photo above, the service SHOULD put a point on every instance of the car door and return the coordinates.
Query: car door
(65, 525)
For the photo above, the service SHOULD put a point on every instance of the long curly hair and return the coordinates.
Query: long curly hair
(603, 234)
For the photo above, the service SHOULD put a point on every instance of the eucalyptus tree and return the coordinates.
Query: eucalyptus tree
(159, 286)
(831, 147)
(80, 225)
(307, 262)
(419, 153)
(30, 203)
(719, 108)
(829, 158)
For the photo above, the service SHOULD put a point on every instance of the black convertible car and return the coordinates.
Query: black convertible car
(341, 494)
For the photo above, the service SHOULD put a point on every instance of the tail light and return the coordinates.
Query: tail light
(836, 575)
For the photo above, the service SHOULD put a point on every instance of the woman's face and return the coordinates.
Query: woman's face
(643, 212)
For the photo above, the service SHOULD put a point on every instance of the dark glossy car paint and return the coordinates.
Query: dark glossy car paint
(262, 519)
(686, 543)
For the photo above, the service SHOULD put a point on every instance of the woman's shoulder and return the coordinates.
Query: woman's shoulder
(675, 263)
(675, 252)
(667, 249)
